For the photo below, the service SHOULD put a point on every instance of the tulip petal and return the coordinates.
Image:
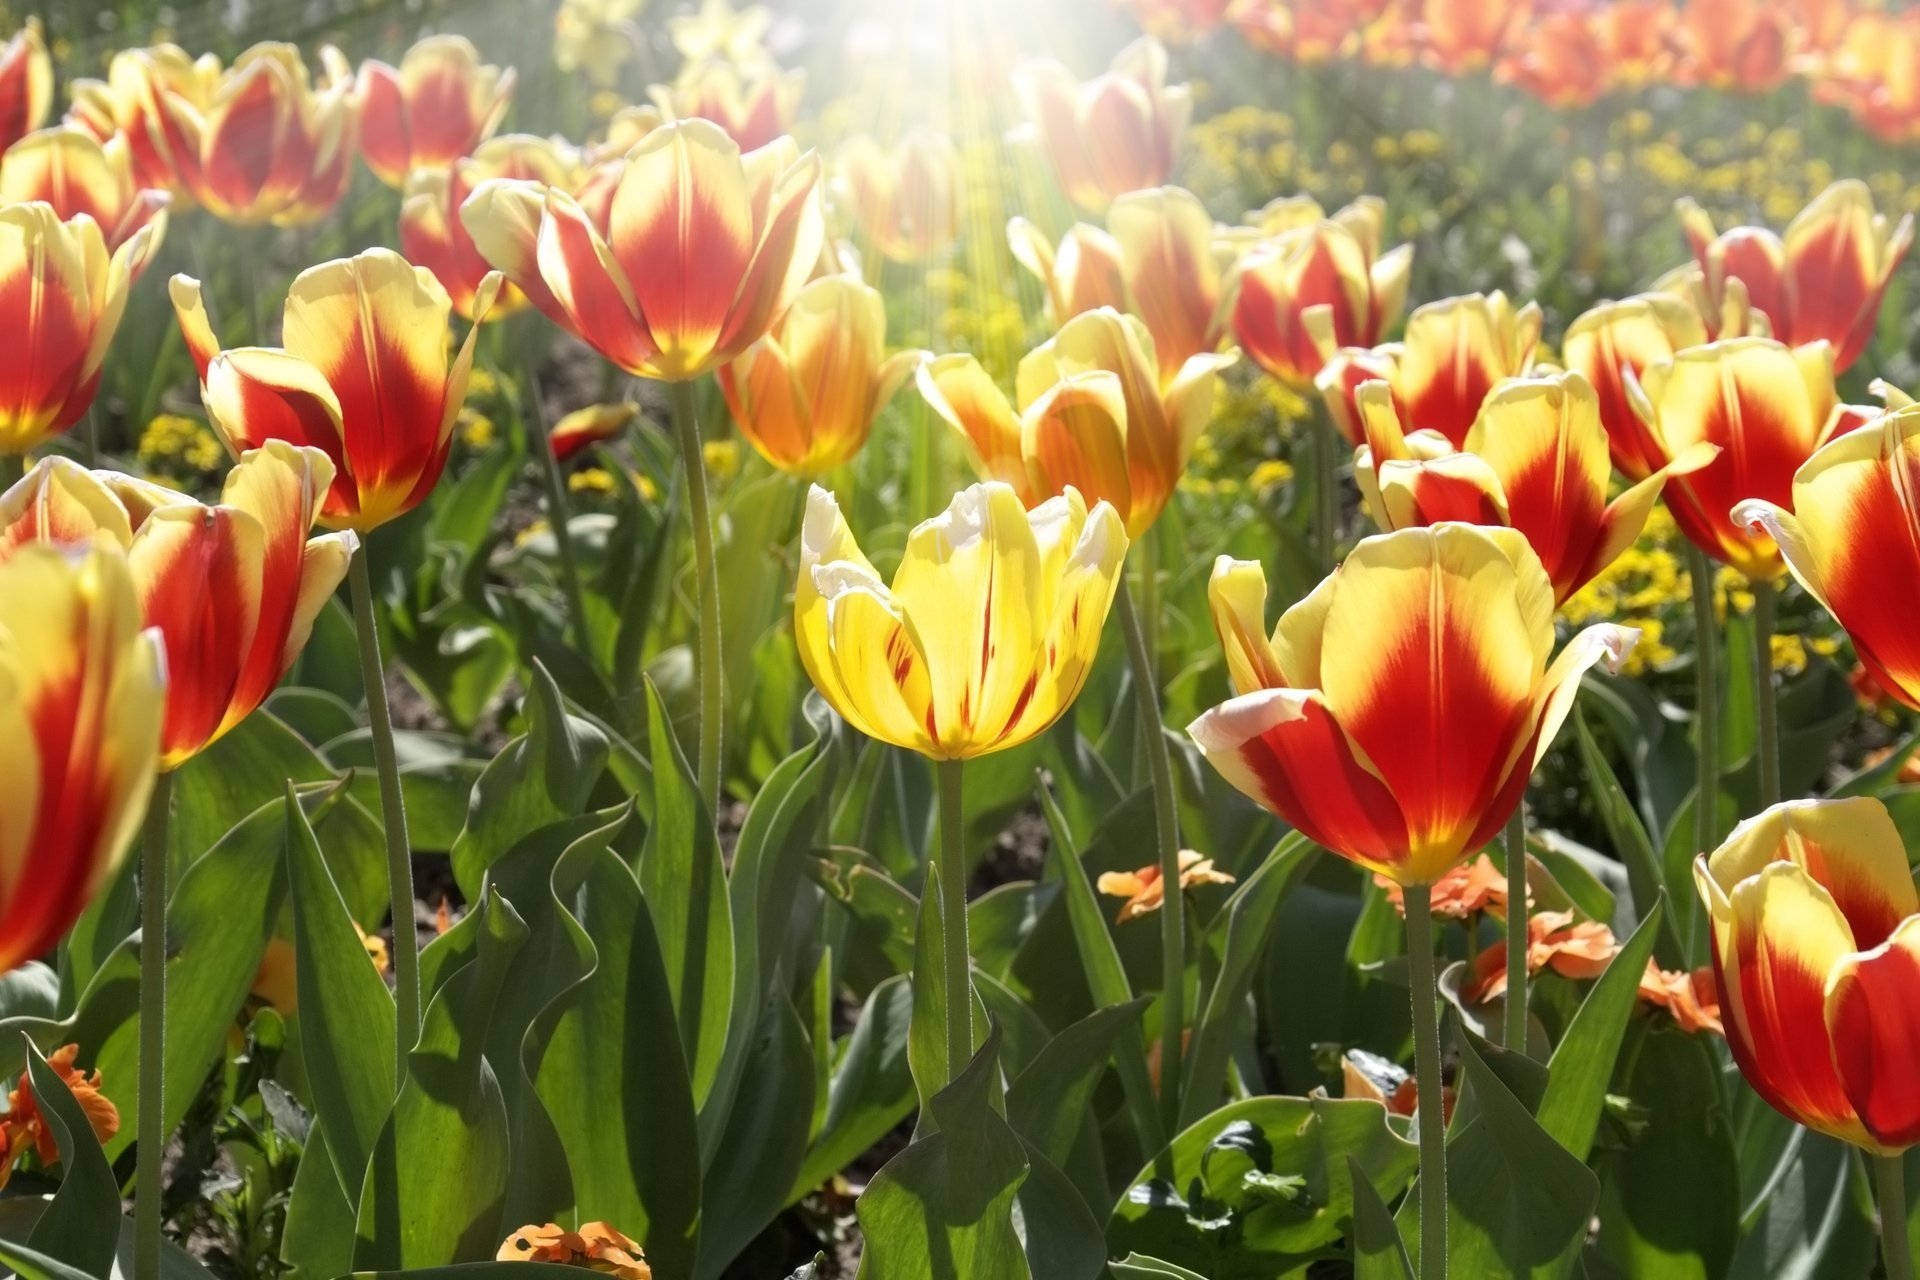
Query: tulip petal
(957, 389)
(1832, 264)
(1542, 438)
(1237, 599)
(591, 290)
(1165, 237)
(1874, 1025)
(1629, 335)
(1076, 434)
(191, 310)
(62, 503)
(257, 394)
(1409, 493)
(1090, 549)
(45, 289)
(385, 134)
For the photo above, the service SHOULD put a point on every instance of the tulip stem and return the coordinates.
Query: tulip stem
(1517, 941)
(1166, 824)
(557, 516)
(1766, 599)
(957, 957)
(1890, 1188)
(1326, 485)
(393, 812)
(1706, 713)
(1430, 1115)
(152, 1134)
(686, 425)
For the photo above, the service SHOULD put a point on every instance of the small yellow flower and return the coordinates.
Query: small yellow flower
(188, 441)
(1269, 474)
(722, 458)
(644, 483)
(590, 480)
(476, 430)
(482, 384)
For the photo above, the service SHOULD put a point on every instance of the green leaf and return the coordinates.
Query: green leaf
(1047, 1103)
(1001, 920)
(79, 1225)
(31, 1264)
(437, 1178)
(1582, 1062)
(1630, 840)
(943, 1208)
(316, 1241)
(872, 1089)
(1063, 1235)
(1378, 1251)
(1137, 1266)
(883, 910)
(346, 1011)
(540, 777)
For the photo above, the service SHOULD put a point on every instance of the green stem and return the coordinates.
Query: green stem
(1766, 599)
(152, 1145)
(12, 467)
(1890, 1188)
(1706, 715)
(393, 812)
(1166, 825)
(1431, 1114)
(1326, 485)
(557, 517)
(957, 960)
(1516, 1020)
(686, 425)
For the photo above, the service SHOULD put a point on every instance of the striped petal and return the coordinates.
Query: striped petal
(1873, 1022)
(1833, 268)
(1632, 334)
(1542, 437)
(257, 394)
(1237, 599)
(791, 233)
(1082, 554)
(385, 134)
(1165, 237)
(62, 503)
(589, 426)
(48, 301)
(957, 389)
(190, 308)
(503, 217)
(1849, 847)
(1455, 351)
(1341, 377)
(591, 293)
(1076, 435)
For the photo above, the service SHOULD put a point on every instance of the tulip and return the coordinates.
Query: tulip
(906, 201)
(589, 426)
(432, 235)
(132, 100)
(755, 106)
(1615, 338)
(1083, 272)
(26, 84)
(1535, 460)
(437, 107)
(1309, 32)
(1735, 44)
(1457, 36)
(85, 696)
(1848, 539)
(1178, 21)
(1822, 280)
(805, 396)
(596, 37)
(1113, 134)
(1563, 61)
(62, 301)
(67, 168)
(1317, 286)
(1873, 70)
(1397, 711)
(233, 588)
(701, 251)
(364, 377)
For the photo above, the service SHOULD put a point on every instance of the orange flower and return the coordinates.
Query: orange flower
(700, 249)
(1617, 338)
(26, 1130)
(1735, 44)
(1144, 890)
(1873, 70)
(1690, 997)
(1116, 133)
(364, 377)
(1562, 61)
(906, 201)
(66, 167)
(1397, 712)
(754, 105)
(1306, 31)
(1463, 892)
(438, 106)
(26, 84)
(276, 982)
(131, 102)
(431, 233)
(1637, 41)
(595, 1246)
(589, 426)
(233, 589)
(1822, 280)
(1556, 941)
(1467, 35)
(1370, 1076)
(79, 735)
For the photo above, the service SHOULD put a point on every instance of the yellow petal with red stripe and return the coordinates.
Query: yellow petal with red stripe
(1631, 334)
(957, 389)
(1165, 236)
(62, 503)
(1075, 436)
(1873, 1023)
(1237, 599)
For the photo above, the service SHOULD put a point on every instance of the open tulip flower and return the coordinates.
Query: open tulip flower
(364, 377)
(1397, 712)
(131, 102)
(1816, 953)
(79, 734)
(68, 168)
(26, 84)
(1453, 353)
(1083, 272)
(1116, 133)
(1535, 460)
(701, 248)
(1742, 45)
(1458, 36)
(905, 201)
(437, 106)
(1308, 32)
(1866, 71)
(805, 396)
(1849, 540)
(1767, 406)
(1822, 280)
(431, 233)
(754, 105)
(1318, 286)
(987, 632)
(233, 588)
(1092, 414)
(61, 299)
(1629, 335)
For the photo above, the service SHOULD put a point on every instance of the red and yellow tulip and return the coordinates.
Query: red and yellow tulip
(754, 105)
(1305, 31)
(984, 637)
(132, 102)
(68, 168)
(26, 84)
(431, 233)
(592, 425)
(1457, 36)
(1617, 338)
(1816, 953)
(364, 377)
(700, 250)
(1116, 133)
(79, 734)
(436, 107)
(1397, 712)
(232, 588)
(905, 201)
(1735, 44)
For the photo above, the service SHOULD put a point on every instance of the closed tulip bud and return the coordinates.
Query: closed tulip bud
(132, 102)
(1116, 133)
(1396, 713)
(589, 426)
(987, 632)
(432, 235)
(1821, 281)
(61, 299)
(67, 168)
(1318, 286)
(1767, 406)
(700, 249)
(1616, 337)
(437, 106)
(755, 106)
(1341, 377)
(1535, 461)
(905, 201)
(26, 84)
(1816, 954)
(805, 396)
(233, 588)
(364, 377)
(79, 735)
